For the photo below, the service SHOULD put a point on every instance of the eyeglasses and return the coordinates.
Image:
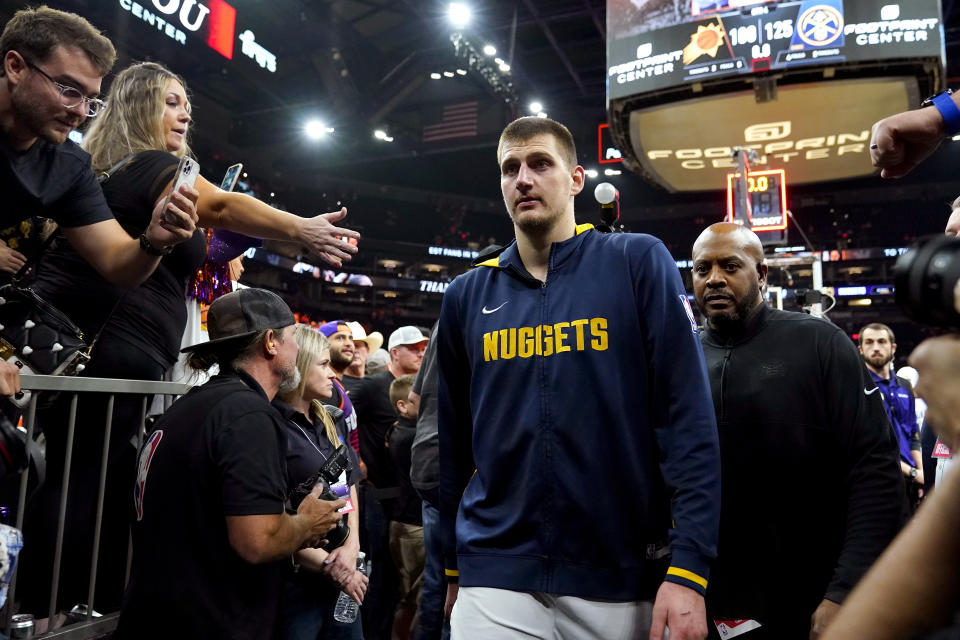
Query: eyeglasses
(70, 97)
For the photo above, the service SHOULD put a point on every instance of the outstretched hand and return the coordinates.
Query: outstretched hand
(680, 609)
(326, 240)
(902, 141)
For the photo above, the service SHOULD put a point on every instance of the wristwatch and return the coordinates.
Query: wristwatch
(913, 474)
(152, 250)
(948, 110)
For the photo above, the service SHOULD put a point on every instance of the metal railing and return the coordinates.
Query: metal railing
(91, 627)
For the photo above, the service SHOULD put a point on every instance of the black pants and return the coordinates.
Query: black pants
(112, 358)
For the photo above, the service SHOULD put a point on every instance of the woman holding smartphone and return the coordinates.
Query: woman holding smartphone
(310, 594)
(139, 138)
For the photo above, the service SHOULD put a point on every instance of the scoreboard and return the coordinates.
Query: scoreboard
(752, 36)
(766, 199)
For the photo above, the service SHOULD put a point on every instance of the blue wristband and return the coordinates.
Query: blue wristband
(949, 111)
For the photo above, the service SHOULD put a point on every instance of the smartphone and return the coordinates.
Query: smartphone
(231, 176)
(187, 172)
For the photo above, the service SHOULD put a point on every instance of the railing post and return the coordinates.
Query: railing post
(62, 515)
(95, 555)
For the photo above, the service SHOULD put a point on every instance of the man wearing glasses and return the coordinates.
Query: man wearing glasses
(53, 63)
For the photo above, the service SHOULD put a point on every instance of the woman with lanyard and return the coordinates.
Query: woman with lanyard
(312, 437)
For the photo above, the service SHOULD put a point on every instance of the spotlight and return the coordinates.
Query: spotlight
(448, 74)
(435, 76)
(504, 67)
(244, 174)
(489, 50)
(542, 114)
(316, 129)
(591, 173)
(536, 106)
(611, 172)
(380, 134)
(388, 139)
(459, 14)
(461, 72)
(499, 61)
(272, 194)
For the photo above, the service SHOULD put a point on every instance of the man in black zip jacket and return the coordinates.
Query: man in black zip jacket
(811, 488)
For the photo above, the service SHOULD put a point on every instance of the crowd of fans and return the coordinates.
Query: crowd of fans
(552, 458)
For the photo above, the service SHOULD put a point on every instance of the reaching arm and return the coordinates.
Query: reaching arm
(120, 258)
(902, 141)
(249, 216)
(265, 538)
(914, 585)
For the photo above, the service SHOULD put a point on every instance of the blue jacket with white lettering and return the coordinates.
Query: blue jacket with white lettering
(576, 423)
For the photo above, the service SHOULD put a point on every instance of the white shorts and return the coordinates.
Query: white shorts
(482, 613)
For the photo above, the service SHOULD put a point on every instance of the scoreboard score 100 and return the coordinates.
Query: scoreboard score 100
(766, 199)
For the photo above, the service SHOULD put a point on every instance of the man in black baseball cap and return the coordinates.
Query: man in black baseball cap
(212, 536)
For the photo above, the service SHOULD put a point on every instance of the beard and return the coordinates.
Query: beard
(733, 321)
(35, 114)
(880, 362)
(290, 381)
(535, 225)
(339, 361)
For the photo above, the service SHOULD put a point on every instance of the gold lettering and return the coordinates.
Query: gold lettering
(850, 137)
(527, 342)
(809, 143)
(598, 329)
(508, 343)
(850, 148)
(816, 154)
(693, 164)
(578, 325)
(559, 336)
(490, 346)
(547, 342)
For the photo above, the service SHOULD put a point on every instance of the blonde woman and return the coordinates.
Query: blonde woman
(312, 437)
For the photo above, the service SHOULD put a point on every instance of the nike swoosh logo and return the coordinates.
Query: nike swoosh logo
(489, 311)
(865, 392)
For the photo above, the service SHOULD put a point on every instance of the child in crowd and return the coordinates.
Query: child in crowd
(406, 528)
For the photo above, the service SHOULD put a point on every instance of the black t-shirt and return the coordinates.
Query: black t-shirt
(152, 316)
(217, 452)
(308, 446)
(50, 180)
(408, 505)
(375, 414)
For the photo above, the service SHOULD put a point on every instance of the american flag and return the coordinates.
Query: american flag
(457, 121)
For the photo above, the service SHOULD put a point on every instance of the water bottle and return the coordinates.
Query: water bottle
(347, 608)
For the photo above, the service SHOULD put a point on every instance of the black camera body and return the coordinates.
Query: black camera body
(327, 475)
(925, 278)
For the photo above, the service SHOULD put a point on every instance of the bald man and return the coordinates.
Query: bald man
(811, 488)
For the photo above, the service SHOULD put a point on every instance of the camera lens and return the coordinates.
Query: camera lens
(925, 278)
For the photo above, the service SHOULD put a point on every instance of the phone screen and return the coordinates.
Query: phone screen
(231, 177)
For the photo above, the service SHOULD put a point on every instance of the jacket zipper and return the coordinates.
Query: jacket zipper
(723, 382)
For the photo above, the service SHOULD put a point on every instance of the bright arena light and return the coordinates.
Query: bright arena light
(380, 134)
(489, 50)
(611, 172)
(504, 67)
(536, 106)
(448, 74)
(591, 173)
(542, 114)
(459, 14)
(316, 129)
(461, 72)
(435, 76)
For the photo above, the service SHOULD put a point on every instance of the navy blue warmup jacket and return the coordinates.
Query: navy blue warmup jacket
(576, 424)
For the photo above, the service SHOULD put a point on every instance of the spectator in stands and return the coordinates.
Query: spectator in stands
(803, 441)
(375, 415)
(425, 478)
(914, 587)
(340, 337)
(212, 541)
(53, 63)
(406, 522)
(364, 345)
(310, 594)
(877, 347)
(953, 222)
(138, 139)
(559, 483)
(377, 361)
